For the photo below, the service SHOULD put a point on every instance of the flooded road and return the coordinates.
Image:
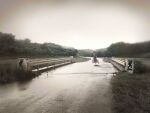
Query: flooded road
(76, 88)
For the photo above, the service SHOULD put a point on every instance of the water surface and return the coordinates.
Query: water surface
(76, 88)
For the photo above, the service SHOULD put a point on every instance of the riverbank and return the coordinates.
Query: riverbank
(9, 72)
(131, 93)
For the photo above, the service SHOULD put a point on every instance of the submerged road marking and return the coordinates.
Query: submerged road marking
(79, 73)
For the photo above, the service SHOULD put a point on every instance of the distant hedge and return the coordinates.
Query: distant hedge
(122, 49)
(140, 67)
(10, 46)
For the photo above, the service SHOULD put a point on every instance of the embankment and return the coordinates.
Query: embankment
(131, 92)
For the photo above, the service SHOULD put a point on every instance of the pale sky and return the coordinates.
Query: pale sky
(82, 24)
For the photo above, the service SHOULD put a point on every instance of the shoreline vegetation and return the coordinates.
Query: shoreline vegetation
(131, 92)
(9, 72)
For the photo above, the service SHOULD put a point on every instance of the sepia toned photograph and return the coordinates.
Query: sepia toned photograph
(74, 56)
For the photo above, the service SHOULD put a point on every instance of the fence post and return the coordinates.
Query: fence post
(23, 64)
(130, 66)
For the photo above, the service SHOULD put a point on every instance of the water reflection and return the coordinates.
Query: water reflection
(23, 85)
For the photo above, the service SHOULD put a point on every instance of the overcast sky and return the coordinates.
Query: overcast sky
(82, 24)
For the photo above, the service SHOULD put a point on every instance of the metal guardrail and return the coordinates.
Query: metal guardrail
(43, 61)
(34, 65)
(120, 61)
(123, 64)
(117, 65)
(40, 65)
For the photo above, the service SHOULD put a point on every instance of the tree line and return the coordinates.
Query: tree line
(85, 52)
(9, 46)
(122, 49)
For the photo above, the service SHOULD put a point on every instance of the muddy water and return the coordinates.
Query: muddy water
(76, 88)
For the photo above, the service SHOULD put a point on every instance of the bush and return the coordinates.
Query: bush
(139, 67)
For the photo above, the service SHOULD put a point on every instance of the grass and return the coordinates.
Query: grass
(141, 66)
(131, 93)
(145, 61)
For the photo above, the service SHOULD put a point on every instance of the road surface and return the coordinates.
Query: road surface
(76, 88)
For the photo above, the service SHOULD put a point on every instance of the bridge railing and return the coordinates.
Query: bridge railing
(118, 64)
(41, 64)
(45, 64)
(123, 64)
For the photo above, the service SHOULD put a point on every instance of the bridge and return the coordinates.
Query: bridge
(122, 64)
(41, 65)
(46, 64)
